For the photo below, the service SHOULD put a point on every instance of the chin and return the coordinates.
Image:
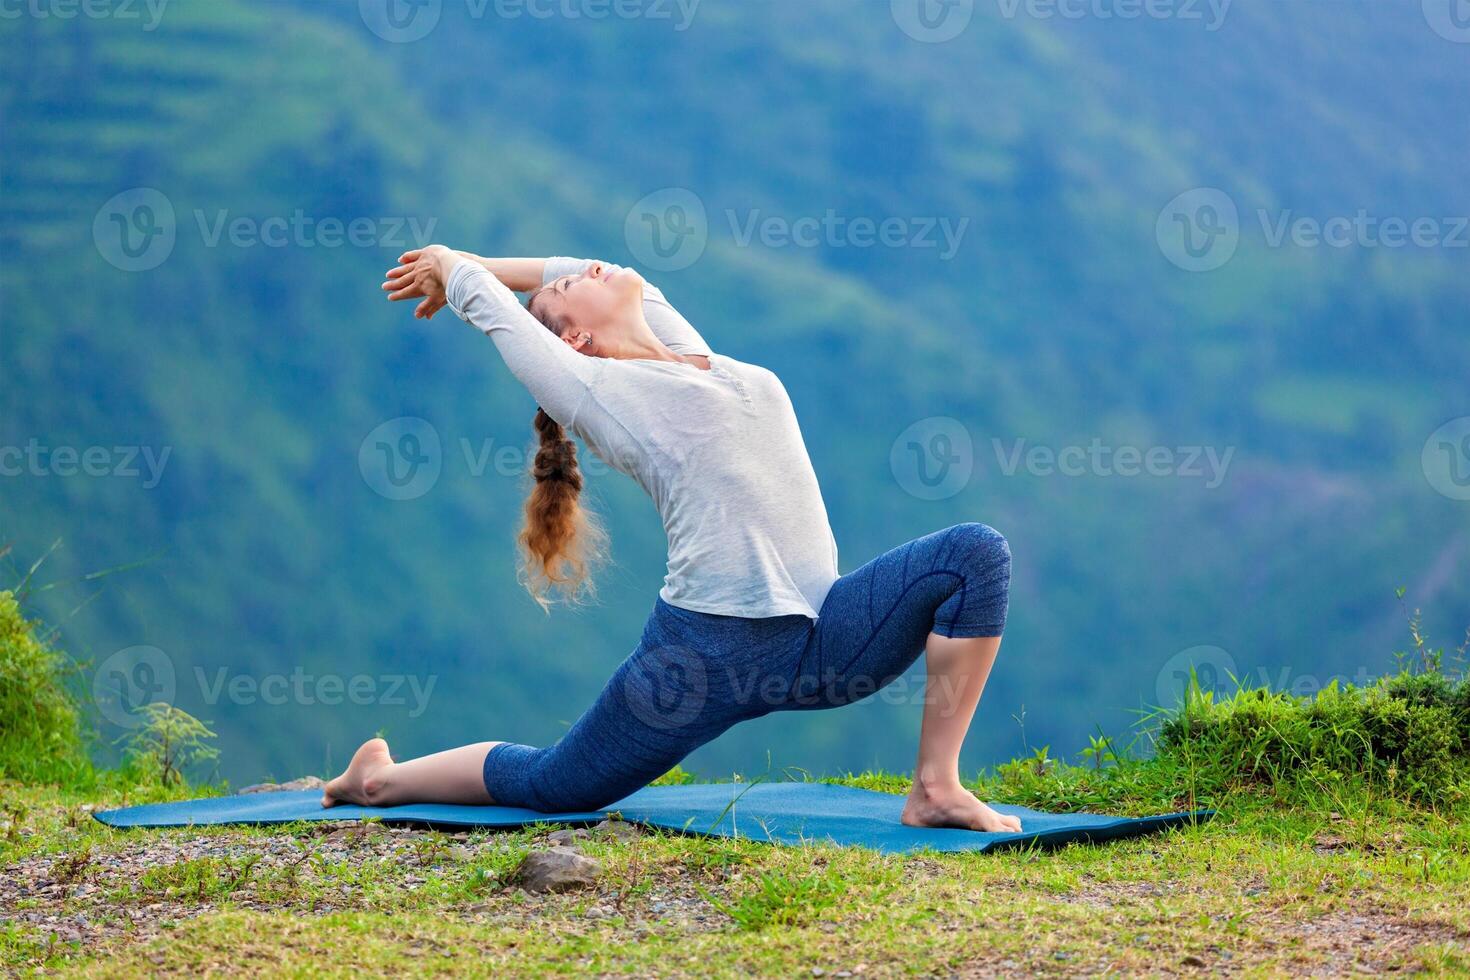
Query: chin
(628, 279)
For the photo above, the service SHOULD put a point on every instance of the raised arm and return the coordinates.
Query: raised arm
(521, 275)
(667, 323)
(555, 375)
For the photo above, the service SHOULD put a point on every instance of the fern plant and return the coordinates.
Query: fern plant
(168, 741)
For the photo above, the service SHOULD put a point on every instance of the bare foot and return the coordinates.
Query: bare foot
(363, 781)
(954, 806)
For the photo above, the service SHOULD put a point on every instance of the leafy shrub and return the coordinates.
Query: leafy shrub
(1408, 733)
(40, 726)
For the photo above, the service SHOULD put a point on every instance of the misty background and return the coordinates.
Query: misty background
(1174, 295)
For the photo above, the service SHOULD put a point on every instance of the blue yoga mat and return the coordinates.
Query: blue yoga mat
(782, 813)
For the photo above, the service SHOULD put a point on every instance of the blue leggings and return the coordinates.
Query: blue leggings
(694, 674)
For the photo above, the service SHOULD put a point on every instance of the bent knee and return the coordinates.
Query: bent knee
(983, 546)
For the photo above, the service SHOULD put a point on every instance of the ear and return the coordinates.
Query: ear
(577, 339)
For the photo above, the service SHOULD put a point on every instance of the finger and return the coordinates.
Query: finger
(400, 271)
(424, 310)
(411, 256)
(404, 287)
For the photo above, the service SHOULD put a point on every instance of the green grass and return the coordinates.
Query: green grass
(1358, 880)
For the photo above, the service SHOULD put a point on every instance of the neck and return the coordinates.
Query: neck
(638, 342)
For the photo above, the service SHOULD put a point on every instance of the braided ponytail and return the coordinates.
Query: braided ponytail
(561, 540)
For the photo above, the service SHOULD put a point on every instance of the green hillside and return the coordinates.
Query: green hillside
(1058, 322)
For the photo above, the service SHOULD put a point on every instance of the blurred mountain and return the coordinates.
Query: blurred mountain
(177, 205)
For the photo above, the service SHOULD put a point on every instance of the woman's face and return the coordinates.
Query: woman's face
(593, 307)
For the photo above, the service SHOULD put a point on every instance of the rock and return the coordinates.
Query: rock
(305, 782)
(556, 869)
(565, 838)
(617, 830)
(1192, 960)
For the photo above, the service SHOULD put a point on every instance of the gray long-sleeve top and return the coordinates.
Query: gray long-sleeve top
(719, 451)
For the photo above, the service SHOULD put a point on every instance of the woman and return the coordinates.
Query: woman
(753, 616)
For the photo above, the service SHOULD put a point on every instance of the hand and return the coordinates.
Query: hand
(421, 274)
